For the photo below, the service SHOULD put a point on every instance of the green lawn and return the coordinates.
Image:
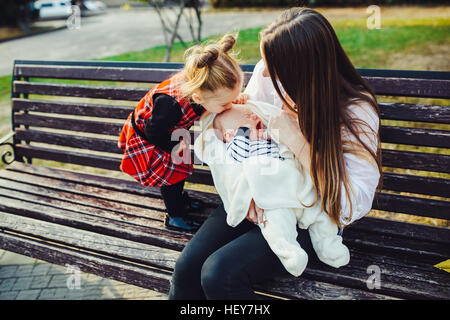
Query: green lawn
(366, 48)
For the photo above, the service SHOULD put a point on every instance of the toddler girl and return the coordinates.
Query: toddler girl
(210, 81)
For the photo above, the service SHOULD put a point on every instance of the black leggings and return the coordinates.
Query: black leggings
(173, 199)
(221, 262)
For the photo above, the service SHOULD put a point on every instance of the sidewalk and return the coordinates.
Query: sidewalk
(24, 278)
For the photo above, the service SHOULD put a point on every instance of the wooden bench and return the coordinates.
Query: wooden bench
(107, 224)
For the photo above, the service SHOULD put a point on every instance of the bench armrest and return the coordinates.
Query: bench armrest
(8, 156)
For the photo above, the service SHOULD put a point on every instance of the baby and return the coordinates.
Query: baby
(247, 164)
(244, 134)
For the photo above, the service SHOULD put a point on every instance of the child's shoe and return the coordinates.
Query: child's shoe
(180, 224)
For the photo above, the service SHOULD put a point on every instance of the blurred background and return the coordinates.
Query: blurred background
(389, 34)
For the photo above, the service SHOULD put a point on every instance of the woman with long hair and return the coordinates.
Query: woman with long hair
(330, 121)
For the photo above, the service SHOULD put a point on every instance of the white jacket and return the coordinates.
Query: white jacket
(280, 187)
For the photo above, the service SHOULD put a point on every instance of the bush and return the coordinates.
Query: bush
(17, 12)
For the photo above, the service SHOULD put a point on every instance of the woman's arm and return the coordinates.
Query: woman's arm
(286, 129)
(362, 170)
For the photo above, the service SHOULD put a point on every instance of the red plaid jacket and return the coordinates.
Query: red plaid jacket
(148, 164)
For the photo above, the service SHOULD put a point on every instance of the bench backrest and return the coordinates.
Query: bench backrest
(86, 131)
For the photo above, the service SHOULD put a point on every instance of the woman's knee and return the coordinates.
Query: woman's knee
(219, 277)
(212, 276)
(185, 266)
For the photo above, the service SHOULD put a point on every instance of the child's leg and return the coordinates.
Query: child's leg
(173, 199)
(280, 233)
(175, 205)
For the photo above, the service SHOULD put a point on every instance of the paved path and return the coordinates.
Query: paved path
(24, 278)
(117, 31)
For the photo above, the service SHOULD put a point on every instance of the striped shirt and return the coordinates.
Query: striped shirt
(241, 147)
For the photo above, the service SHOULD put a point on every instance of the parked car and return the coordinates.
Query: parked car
(89, 8)
(53, 9)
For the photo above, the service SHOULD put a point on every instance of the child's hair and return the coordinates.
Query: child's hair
(211, 67)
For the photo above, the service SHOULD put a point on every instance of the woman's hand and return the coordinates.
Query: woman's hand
(255, 214)
(286, 129)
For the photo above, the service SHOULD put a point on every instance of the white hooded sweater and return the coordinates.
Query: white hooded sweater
(281, 187)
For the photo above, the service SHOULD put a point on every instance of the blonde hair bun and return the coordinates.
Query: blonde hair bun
(227, 43)
(208, 56)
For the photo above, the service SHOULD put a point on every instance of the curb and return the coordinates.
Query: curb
(32, 34)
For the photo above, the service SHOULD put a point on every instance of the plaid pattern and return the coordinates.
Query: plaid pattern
(148, 164)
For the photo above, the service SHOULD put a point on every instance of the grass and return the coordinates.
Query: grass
(419, 43)
(366, 48)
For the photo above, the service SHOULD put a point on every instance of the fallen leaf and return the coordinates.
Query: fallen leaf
(444, 265)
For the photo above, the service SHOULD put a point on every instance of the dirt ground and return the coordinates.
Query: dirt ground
(430, 57)
(394, 12)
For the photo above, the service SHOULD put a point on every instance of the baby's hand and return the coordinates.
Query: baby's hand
(241, 99)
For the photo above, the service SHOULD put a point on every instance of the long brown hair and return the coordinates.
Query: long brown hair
(303, 53)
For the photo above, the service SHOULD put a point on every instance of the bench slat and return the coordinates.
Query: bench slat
(105, 267)
(416, 160)
(416, 184)
(431, 88)
(391, 158)
(389, 134)
(386, 202)
(82, 91)
(92, 223)
(412, 205)
(105, 182)
(415, 136)
(389, 111)
(83, 204)
(414, 112)
(72, 108)
(99, 127)
(424, 88)
(404, 250)
(87, 143)
(94, 73)
(93, 242)
(86, 194)
(396, 281)
(96, 161)
(301, 288)
(402, 230)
